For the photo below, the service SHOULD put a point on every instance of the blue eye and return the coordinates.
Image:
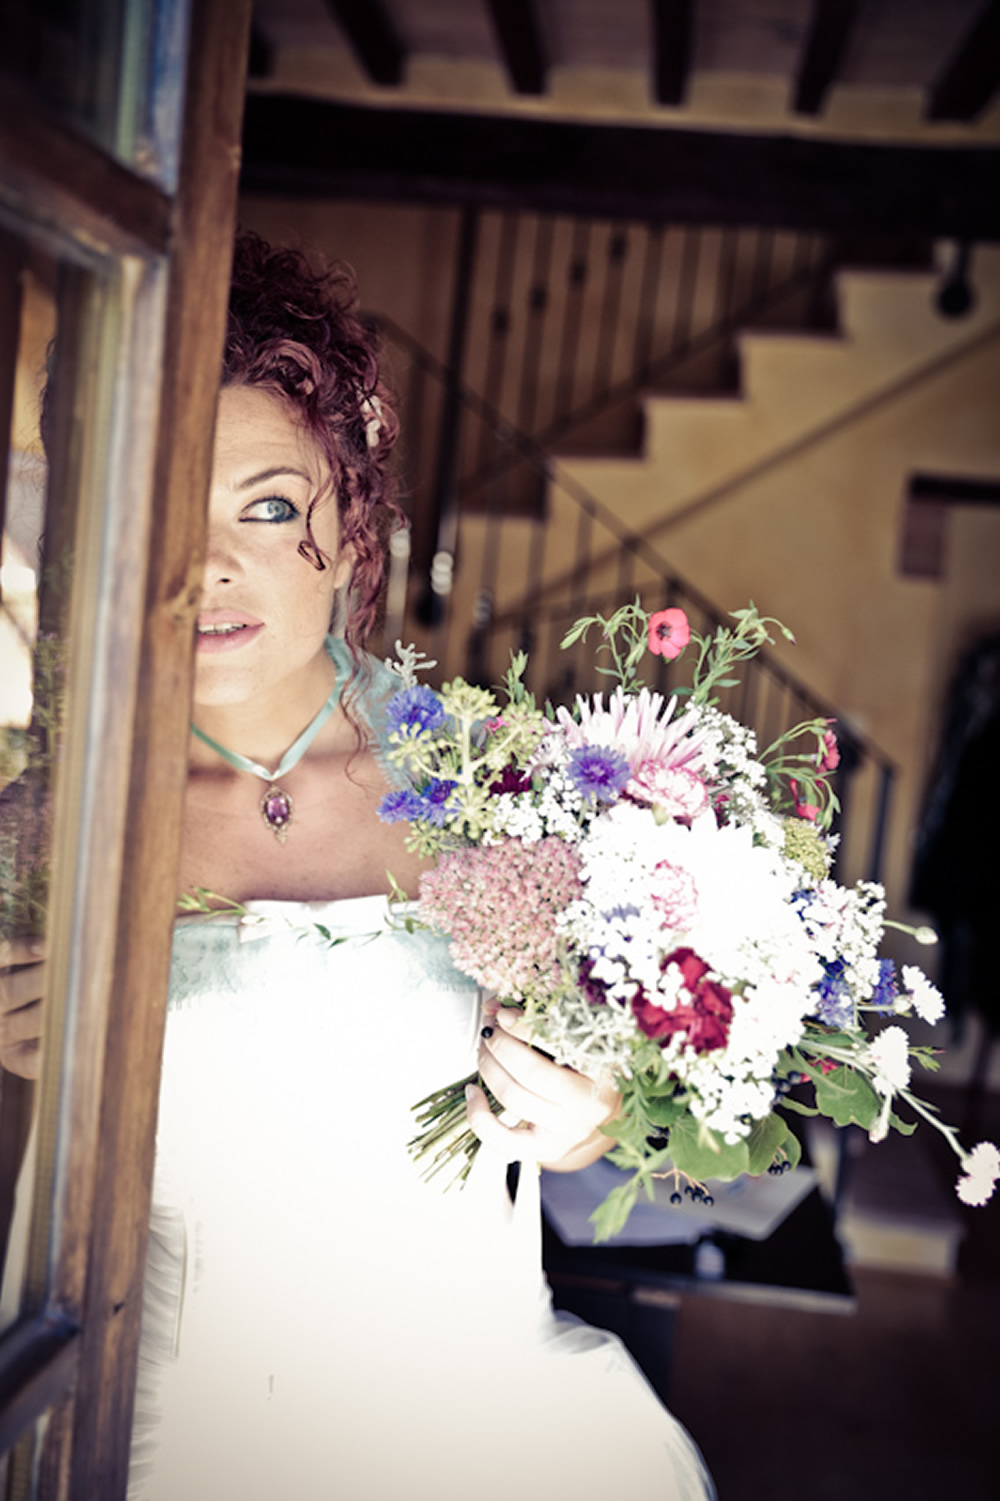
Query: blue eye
(270, 508)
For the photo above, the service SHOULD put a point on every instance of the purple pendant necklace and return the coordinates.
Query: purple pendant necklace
(275, 804)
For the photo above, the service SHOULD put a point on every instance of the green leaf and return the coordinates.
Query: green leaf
(610, 1216)
(846, 1097)
(792, 1148)
(702, 1153)
(905, 1128)
(764, 1141)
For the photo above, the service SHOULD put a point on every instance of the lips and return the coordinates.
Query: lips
(226, 630)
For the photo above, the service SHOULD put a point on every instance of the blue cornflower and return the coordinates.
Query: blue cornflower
(412, 710)
(400, 807)
(433, 802)
(835, 1007)
(886, 990)
(598, 772)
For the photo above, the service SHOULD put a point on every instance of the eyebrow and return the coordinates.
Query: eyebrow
(266, 474)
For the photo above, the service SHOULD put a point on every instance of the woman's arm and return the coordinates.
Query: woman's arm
(560, 1111)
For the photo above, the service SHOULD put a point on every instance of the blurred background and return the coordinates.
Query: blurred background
(698, 300)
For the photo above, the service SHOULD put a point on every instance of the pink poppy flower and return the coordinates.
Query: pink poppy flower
(802, 810)
(828, 759)
(669, 633)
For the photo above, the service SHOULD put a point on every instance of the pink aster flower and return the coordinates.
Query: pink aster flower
(498, 904)
(641, 726)
(982, 1169)
(669, 633)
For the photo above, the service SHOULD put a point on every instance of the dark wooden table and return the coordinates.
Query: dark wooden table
(636, 1290)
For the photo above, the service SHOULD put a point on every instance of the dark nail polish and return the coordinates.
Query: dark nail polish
(486, 1032)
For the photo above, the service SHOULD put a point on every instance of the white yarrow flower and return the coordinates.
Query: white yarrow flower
(982, 1169)
(928, 1002)
(888, 1056)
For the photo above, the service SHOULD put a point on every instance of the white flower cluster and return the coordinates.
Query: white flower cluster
(726, 1103)
(731, 748)
(846, 924)
(735, 911)
(532, 815)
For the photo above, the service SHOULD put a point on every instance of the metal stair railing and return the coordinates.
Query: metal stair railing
(480, 623)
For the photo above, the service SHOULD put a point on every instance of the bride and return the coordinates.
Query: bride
(319, 1321)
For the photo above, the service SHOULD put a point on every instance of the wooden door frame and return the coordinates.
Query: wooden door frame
(75, 1357)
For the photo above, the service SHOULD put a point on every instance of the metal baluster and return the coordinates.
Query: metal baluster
(763, 251)
(608, 331)
(569, 343)
(645, 328)
(726, 276)
(686, 282)
(538, 302)
(440, 531)
(493, 449)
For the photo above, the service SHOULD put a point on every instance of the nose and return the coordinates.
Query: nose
(221, 562)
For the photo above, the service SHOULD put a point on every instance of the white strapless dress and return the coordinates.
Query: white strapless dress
(320, 1323)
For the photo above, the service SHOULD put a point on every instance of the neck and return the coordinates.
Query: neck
(264, 726)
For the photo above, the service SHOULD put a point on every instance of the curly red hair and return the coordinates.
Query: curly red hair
(293, 329)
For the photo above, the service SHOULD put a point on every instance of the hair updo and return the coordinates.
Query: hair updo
(293, 329)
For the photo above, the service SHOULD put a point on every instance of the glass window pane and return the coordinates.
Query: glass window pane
(111, 68)
(48, 306)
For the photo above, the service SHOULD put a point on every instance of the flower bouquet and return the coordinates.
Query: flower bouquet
(655, 896)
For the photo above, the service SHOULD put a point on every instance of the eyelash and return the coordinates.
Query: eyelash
(292, 511)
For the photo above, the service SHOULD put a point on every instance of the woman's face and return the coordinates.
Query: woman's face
(265, 609)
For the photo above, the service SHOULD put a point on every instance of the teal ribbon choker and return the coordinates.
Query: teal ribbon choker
(276, 805)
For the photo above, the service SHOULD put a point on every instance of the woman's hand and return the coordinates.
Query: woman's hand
(559, 1112)
(22, 985)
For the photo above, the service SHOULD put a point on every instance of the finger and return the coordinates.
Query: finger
(515, 1023)
(504, 1137)
(15, 951)
(20, 987)
(566, 1082)
(559, 1115)
(543, 1076)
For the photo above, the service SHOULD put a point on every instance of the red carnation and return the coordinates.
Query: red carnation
(704, 1019)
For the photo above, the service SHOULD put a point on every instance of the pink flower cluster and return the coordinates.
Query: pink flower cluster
(498, 904)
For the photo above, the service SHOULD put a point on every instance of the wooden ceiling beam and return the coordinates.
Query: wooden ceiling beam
(970, 79)
(673, 30)
(294, 146)
(373, 37)
(826, 43)
(519, 37)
